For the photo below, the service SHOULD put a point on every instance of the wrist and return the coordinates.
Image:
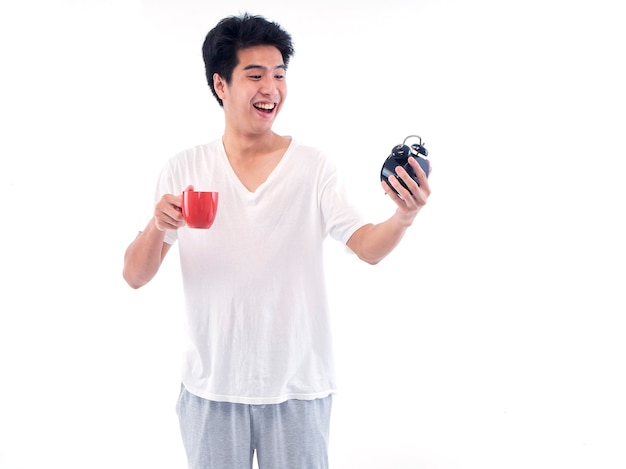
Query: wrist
(404, 219)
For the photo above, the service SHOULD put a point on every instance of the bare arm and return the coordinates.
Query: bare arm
(373, 242)
(146, 253)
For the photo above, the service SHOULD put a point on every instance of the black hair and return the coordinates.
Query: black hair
(234, 33)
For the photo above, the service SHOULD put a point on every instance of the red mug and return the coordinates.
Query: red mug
(199, 208)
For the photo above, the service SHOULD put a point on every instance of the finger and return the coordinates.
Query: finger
(393, 195)
(411, 186)
(177, 202)
(168, 212)
(164, 222)
(169, 217)
(400, 195)
(419, 172)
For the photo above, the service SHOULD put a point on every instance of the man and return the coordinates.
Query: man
(258, 371)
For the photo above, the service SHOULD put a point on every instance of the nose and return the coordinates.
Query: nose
(268, 85)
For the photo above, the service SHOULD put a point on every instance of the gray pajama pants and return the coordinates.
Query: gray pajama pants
(223, 435)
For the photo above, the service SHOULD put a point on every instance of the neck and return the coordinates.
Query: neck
(241, 146)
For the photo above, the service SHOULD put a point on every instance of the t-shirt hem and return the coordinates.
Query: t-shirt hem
(260, 400)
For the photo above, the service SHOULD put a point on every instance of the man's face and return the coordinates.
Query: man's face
(257, 89)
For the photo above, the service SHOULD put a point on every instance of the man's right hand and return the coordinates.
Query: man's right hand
(168, 213)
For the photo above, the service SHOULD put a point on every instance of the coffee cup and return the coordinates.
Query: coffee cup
(199, 208)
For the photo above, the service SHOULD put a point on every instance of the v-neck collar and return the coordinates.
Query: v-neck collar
(240, 185)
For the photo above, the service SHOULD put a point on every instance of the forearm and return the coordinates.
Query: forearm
(144, 256)
(372, 243)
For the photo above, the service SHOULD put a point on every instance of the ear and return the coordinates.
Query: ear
(220, 85)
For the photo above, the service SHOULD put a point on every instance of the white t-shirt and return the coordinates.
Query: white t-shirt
(257, 319)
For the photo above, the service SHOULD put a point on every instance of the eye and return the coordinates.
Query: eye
(279, 77)
(255, 77)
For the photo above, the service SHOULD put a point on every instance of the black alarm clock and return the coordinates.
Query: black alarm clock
(400, 157)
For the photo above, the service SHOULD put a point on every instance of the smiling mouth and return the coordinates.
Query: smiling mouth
(265, 107)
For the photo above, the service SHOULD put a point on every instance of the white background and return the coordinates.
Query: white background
(493, 337)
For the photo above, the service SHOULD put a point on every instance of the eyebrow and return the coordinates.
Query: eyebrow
(255, 66)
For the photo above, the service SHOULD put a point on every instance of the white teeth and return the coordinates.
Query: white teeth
(267, 107)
